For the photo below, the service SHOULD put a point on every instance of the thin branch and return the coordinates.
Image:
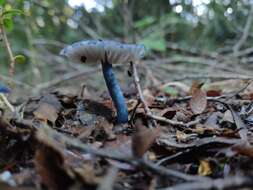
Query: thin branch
(41, 41)
(208, 76)
(147, 110)
(9, 51)
(172, 122)
(88, 30)
(50, 136)
(138, 86)
(11, 80)
(246, 31)
(65, 77)
(232, 182)
(7, 103)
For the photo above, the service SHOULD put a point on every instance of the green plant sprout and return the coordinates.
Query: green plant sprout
(6, 24)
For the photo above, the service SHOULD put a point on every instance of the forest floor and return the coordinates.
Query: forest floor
(193, 131)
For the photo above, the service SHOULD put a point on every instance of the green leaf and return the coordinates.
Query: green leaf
(144, 22)
(8, 23)
(19, 59)
(170, 90)
(12, 12)
(155, 41)
(154, 44)
(2, 2)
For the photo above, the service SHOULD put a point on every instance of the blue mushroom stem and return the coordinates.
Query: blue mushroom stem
(4, 89)
(115, 92)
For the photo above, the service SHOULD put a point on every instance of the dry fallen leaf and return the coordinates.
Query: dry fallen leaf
(228, 116)
(213, 93)
(143, 139)
(202, 129)
(50, 167)
(169, 113)
(122, 146)
(181, 136)
(196, 85)
(198, 101)
(88, 175)
(49, 107)
(212, 120)
(204, 168)
(148, 95)
(226, 86)
(243, 148)
(46, 112)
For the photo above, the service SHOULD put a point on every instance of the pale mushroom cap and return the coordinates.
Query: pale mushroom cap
(96, 51)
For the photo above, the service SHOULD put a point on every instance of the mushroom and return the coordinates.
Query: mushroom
(4, 89)
(107, 53)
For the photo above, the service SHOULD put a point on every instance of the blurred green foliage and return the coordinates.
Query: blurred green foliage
(47, 25)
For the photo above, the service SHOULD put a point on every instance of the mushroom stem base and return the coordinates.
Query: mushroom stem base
(115, 92)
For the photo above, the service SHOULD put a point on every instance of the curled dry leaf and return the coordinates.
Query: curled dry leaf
(87, 174)
(228, 117)
(149, 97)
(57, 169)
(198, 101)
(204, 168)
(213, 93)
(49, 107)
(131, 104)
(196, 85)
(169, 113)
(212, 120)
(143, 139)
(181, 136)
(122, 146)
(49, 164)
(243, 148)
(46, 112)
(226, 86)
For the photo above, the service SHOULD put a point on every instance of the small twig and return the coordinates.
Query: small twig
(88, 30)
(7, 103)
(142, 99)
(208, 76)
(138, 86)
(42, 41)
(244, 52)
(174, 123)
(65, 77)
(134, 112)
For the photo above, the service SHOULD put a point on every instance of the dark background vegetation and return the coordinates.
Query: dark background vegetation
(199, 33)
